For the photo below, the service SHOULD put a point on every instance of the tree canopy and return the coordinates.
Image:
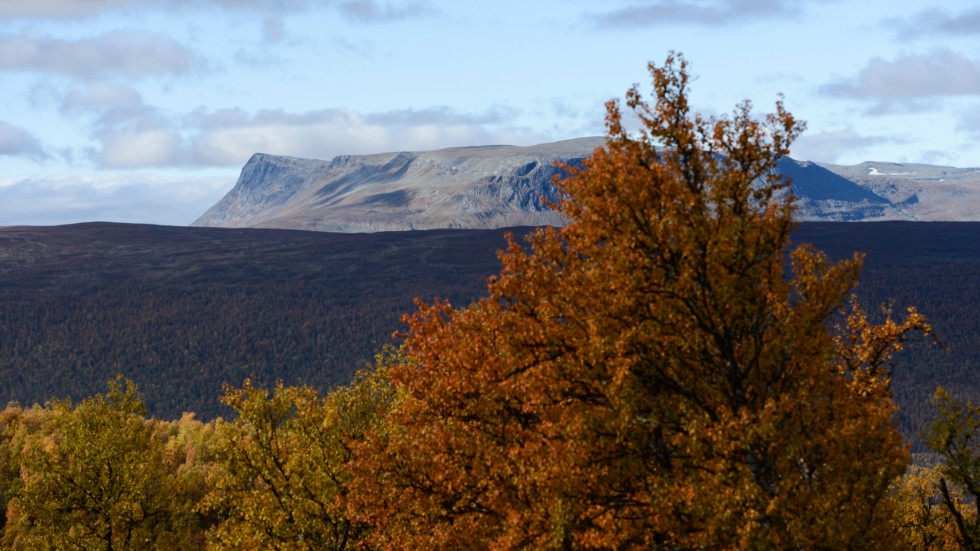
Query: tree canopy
(661, 372)
(96, 476)
(666, 372)
(285, 461)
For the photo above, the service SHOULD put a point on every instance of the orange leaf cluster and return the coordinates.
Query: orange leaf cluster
(660, 373)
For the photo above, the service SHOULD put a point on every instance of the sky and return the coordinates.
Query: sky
(145, 110)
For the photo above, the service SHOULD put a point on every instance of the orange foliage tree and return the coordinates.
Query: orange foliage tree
(656, 374)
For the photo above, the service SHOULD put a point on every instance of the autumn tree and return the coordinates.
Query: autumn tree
(283, 462)
(657, 374)
(922, 517)
(17, 425)
(191, 456)
(95, 476)
(955, 436)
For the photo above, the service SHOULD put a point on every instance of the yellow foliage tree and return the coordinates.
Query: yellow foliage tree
(284, 461)
(922, 518)
(657, 374)
(955, 436)
(94, 476)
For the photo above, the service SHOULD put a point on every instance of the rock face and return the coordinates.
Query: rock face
(469, 187)
(824, 195)
(501, 186)
(919, 191)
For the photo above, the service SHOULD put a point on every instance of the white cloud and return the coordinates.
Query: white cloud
(131, 134)
(364, 11)
(17, 142)
(230, 137)
(138, 146)
(928, 22)
(58, 8)
(830, 146)
(371, 11)
(112, 197)
(61, 9)
(969, 121)
(273, 30)
(120, 53)
(910, 81)
(937, 157)
(276, 5)
(442, 115)
(696, 12)
(101, 97)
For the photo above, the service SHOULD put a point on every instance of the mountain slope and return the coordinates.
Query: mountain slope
(469, 187)
(182, 311)
(918, 191)
(500, 186)
(824, 195)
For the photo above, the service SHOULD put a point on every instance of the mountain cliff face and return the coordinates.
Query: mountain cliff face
(919, 191)
(823, 195)
(470, 187)
(500, 186)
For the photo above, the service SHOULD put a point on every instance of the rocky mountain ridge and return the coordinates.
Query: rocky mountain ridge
(500, 186)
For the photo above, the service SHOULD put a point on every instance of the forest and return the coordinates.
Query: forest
(679, 367)
(208, 307)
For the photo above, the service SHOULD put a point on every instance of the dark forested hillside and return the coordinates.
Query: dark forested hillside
(934, 266)
(182, 311)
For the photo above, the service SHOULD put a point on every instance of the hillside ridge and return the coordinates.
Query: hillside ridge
(182, 311)
(487, 187)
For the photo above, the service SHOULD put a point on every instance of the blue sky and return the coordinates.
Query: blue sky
(145, 110)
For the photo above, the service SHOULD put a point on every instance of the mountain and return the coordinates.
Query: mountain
(499, 186)
(918, 191)
(824, 195)
(467, 187)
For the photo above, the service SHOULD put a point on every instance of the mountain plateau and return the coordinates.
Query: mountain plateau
(488, 187)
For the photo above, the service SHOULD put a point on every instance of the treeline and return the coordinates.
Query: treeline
(282, 473)
(183, 311)
(183, 346)
(100, 475)
(186, 310)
